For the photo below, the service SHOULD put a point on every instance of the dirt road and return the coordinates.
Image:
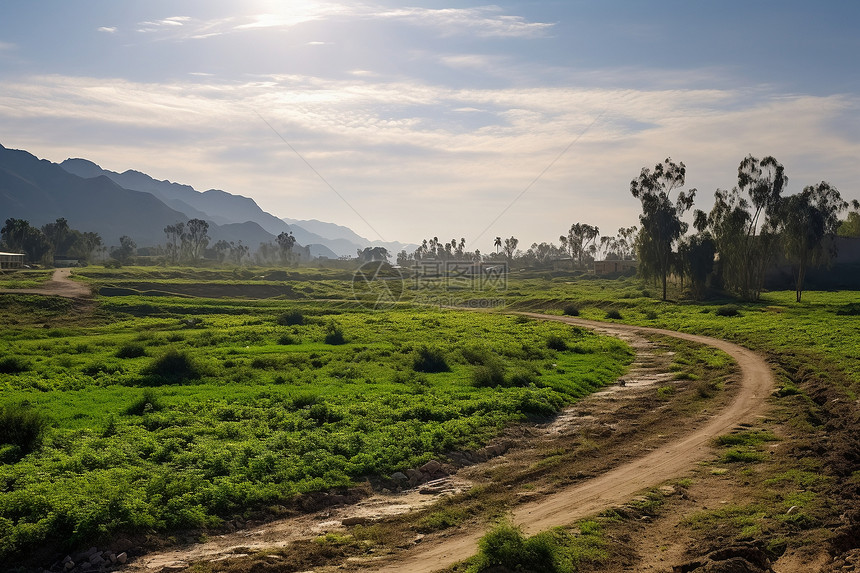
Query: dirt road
(620, 484)
(61, 284)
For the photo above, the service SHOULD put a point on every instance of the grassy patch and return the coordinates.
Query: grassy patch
(554, 551)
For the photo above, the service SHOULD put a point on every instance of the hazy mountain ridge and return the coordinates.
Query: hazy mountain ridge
(41, 191)
(223, 208)
(335, 232)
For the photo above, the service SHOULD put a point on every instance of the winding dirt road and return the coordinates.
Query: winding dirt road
(620, 484)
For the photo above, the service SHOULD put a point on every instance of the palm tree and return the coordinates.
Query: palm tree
(498, 244)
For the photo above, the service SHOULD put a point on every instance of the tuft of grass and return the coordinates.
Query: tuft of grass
(130, 351)
(750, 438)
(172, 367)
(291, 318)
(743, 456)
(553, 551)
(287, 340)
(13, 365)
(148, 402)
(613, 314)
(570, 309)
(489, 375)
(727, 310)
(429, 360)
(443, 519)
(21, 427)
(556, 342)
(334, 335)
(665, 392)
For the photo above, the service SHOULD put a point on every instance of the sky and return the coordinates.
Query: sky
(449, 119)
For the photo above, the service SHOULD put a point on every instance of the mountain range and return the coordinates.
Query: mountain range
(134, 204)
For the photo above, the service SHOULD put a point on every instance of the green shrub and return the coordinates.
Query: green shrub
(727, 310)
(130, 351)
(148, 402)
(522, 378)
(556, 342)
(489, 375)
(570, 309)
(22, 427)
(334, 335)
(13, 365)
(613, 314)
(304, 400)
(476, 353)
(553, 551)
(429, 360)
(650, 315)
(287, 340)
(172, 367)
(291, 318)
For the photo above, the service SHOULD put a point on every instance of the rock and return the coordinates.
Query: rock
(431, 467)
(668, 490)
(399, 477)
(69, 565)
(355, 521)
(415, 476)
(111, 557)
(122, 557)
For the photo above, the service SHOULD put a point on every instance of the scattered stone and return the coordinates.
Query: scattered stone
(122, 557)
(399, 477)
(349, 521)
(69, 565)
(668, 490)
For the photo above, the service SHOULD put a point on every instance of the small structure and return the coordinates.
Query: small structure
(11, 260)
(602, 268)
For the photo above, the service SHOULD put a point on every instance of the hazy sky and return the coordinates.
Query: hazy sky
(433, 118)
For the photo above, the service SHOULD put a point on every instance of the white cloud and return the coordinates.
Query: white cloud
(485, 21)
(386, 143)
(173, 22)
(7, 46)
(107, 29)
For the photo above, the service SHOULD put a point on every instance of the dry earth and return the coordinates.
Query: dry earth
(61, 284)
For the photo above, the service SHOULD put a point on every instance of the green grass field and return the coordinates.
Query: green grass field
(166, 413)
(162, 410)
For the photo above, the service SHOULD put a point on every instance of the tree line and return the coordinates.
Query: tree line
(52, 239)
(743, 234)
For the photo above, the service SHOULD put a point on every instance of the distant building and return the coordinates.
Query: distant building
(602, 268)
(11, 260)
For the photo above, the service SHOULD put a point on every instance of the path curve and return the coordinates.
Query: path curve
(61, 284)
(620, 484)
